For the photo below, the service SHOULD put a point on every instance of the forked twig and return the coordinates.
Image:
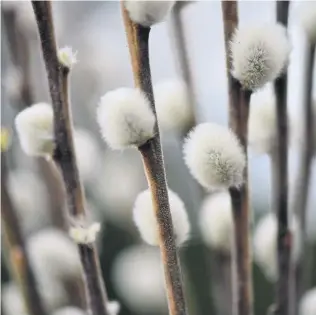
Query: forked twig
(151, 152)
(238, 121)
(64, 156)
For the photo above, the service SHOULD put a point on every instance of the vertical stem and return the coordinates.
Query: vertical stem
(64, 156)
(303, 177)
(238, 120)
(151, 152)
(281, 195)
(274, 166)
(19, 259)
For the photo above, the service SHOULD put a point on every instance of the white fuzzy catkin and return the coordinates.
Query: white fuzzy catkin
(262, 126)
(147, 13)
(35, 129)
(85, 234)
(125, 118)
(308, 19)
(214, 156)
(265, 244)
(173, 106)
(308, 303)
(259, 54)
(70, 310)
(67, 57)
(52, 251)
(136, 283)
(145, 219)
(87, 154)
(113, 307)
(30, 199)
(216, 221)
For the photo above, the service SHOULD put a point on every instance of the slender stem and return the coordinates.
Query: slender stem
(238, 121)
(151, 152)
(281, 195)
(64, 156)
(19, 259)
(19, 50)
(274, 166)
(303, 176)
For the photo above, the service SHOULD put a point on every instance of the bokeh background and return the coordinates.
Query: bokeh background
(112, 180)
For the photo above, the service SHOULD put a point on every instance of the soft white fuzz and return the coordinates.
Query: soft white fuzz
(67, 57)
(70, 310)
(216, 221)
(85, 234)
(265, 244)
(214, 156)
(34, 126)
(308, 303)
(125, 118)
(52, 251)
(260, 54)
(145, 220)
(113, 307)
(87, 154)
(173, 106)
(308, 20)
(138, 279)
(262, 126)
(148, 12)
(30, 199)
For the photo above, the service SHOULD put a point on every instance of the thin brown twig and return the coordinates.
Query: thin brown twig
(18, 256)
(64, 156)
(303, 177)
(284, 238)
(151, 152)
(238, 121)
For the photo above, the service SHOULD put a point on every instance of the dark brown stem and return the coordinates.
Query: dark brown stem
(64, 156)
(14, 240)
(284, 238)
(19, 50)
(238, 121)
(303, 177)
(151, 152)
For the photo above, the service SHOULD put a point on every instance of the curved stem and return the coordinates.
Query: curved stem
(64, 156)
(154, 168)
(19, 259)
(238, 121)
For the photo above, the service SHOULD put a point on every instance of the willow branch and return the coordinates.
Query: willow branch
(303, 178)
(64, 156)
(14, 240)
(238, 121)
(152, 156)
(20, 53)
(281, 195)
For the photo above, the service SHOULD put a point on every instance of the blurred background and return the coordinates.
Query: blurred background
(112, 180)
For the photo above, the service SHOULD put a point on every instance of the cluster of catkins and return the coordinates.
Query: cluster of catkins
(212, 152)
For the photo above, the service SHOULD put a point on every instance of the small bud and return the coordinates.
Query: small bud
(70, 310)
(308, 20)
(125, 118)
(308, 303)
(145, 219)
(84, 234)
(265, 244)
(67, 57)
(5, 139)
(34, 126)
(262, 129)
(147, 13)
(172, 100)
(259, 54)
(113, 307)
(214, 156)
(216, 221)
